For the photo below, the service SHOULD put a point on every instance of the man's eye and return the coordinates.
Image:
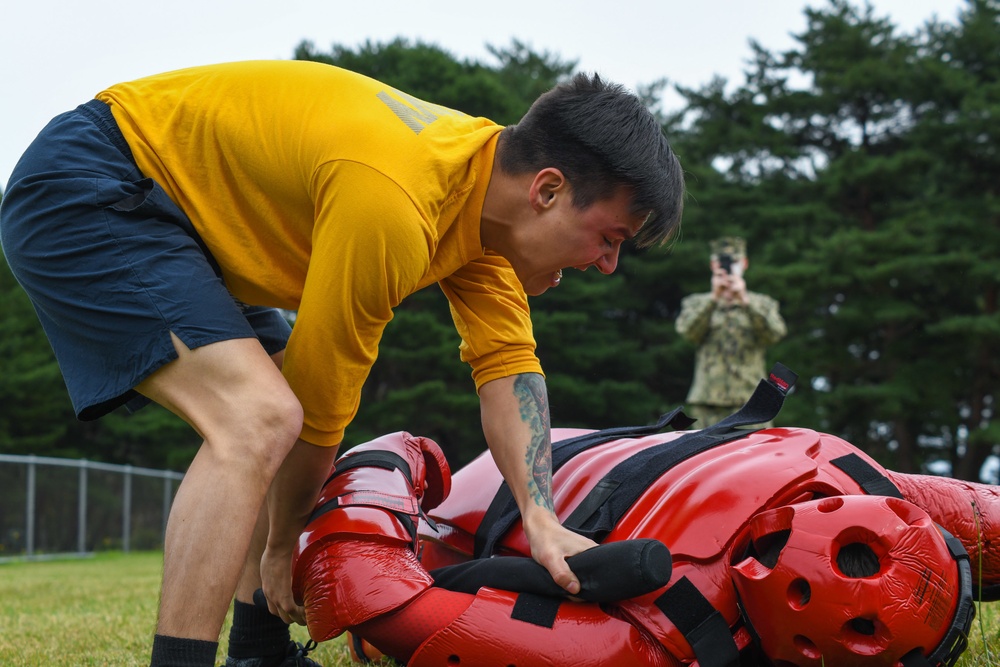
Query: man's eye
(608, 242)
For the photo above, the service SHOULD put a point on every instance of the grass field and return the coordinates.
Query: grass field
(97, 611)
(102, 611)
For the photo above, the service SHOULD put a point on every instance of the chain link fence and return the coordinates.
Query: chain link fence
(51, 506)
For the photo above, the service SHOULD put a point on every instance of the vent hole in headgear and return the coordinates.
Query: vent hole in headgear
(767, 548)
(807, 648)
(857, 560)
(799, 593)
(863, 626)
(867, 637)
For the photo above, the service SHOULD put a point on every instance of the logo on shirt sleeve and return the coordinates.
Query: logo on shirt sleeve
(415, 113)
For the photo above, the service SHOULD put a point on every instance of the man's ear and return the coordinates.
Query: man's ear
(546, 187)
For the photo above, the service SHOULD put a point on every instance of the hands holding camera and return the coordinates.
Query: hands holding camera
(728, 286)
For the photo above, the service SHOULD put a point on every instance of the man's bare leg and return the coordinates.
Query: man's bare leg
(249, 580)
(233, 394)
(257, 636)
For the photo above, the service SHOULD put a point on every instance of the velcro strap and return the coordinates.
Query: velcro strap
(502, 511)
(538, 610)
(400, 505)
(388, 501)
(592, 502)
(702, 625)
(630, 478)
(868, 478)
(374, 458)
(915, 659)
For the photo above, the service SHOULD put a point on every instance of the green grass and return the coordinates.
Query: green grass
(96, 611)
(102, 611)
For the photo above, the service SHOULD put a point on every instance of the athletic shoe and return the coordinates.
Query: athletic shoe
(295, 656)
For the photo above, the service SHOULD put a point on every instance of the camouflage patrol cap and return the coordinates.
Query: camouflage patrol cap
(735, 246)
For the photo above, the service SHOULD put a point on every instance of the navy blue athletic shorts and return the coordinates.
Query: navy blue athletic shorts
(112, 265)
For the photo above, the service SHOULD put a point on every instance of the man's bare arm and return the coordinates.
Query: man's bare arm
(515, 413)
(290, 502)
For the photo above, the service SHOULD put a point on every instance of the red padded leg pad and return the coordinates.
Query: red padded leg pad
(431, 474)
(401, 632)
(350, 582)
(355, 561)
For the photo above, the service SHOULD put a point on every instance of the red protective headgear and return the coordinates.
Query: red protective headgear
(854, 580)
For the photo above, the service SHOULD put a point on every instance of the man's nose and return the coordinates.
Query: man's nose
(607, 263)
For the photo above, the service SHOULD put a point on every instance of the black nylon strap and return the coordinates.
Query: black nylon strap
(328, 506)
(915, 659)
(374, 458)
(497, 514)
(592, 503)
(405, 519)
(628, 480)
(503, 508)
(765, 402)
(538, 610)
(638, 472)
(564, 450)
(868, 478)
(702, 625)
(956, 639)
(642, 469)
(359, 649)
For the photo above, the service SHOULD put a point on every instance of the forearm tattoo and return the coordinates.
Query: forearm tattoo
(529, 388)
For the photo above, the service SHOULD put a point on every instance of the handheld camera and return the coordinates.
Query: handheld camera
(726, 262)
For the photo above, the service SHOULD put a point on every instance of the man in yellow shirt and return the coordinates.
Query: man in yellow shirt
(159, 226)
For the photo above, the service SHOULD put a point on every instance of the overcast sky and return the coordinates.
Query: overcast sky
(56, 55)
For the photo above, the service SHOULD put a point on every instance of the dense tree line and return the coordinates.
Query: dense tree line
(870, 197)
(860, 165)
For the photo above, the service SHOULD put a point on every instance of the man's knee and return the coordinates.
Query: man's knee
(280, 420)
(266, 426)
(234, 395)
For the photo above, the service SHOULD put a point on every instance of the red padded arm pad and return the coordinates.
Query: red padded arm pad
(967, 510)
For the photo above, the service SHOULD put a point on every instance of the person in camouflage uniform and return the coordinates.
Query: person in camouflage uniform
(732, 328)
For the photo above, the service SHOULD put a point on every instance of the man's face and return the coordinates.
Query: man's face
(565, 237)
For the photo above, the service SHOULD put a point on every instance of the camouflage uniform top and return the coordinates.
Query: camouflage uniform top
(731, 343)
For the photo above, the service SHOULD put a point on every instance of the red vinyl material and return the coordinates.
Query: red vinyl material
(707, 510)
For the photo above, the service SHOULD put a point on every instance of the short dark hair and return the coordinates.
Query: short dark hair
(602, 138)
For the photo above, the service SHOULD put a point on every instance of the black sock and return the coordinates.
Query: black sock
(181, 652)
(256, 632)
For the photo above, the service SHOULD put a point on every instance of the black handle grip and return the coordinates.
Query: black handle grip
(607, 573)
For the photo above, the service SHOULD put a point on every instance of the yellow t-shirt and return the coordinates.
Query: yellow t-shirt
(323, 191)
